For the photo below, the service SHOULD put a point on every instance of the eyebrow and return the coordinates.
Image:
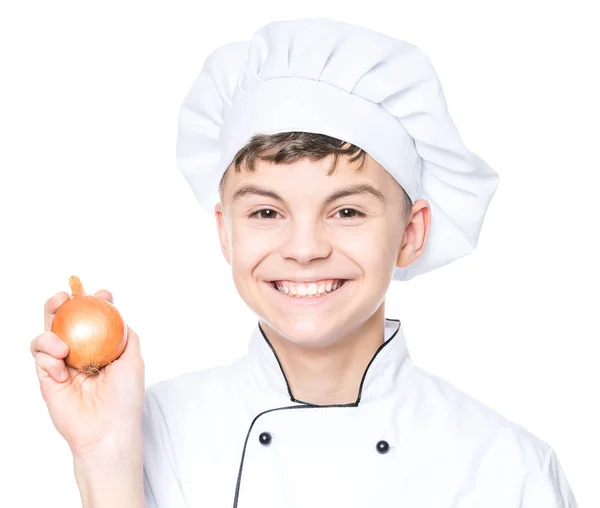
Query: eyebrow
(352, 190)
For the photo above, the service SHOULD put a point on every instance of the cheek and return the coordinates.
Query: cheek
(371, 247)
(248, 247)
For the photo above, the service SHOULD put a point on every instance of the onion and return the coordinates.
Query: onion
(91, 327)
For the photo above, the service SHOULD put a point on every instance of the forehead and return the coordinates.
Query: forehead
(311, 176)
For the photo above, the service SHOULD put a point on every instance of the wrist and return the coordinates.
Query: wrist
(110, 477)
(111, 449)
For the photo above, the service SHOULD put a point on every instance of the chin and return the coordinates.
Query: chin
(306, 332)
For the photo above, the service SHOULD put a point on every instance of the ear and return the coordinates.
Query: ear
(223, 234)
(415, 234)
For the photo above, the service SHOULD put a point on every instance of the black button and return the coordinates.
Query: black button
(265, 438)
(383, 447)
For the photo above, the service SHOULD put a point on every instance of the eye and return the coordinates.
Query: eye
(352, 211)
(267, 213)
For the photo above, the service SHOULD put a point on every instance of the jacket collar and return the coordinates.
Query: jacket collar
(379, 379)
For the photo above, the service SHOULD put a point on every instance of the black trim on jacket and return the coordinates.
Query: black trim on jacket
(304, 405)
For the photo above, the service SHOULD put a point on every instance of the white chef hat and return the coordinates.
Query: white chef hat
(352, 83)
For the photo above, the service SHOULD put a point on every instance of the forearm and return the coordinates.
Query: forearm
(111, 478)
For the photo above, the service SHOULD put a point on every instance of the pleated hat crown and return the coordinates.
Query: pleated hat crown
(352, 83)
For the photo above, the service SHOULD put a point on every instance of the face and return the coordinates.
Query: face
(290, 230)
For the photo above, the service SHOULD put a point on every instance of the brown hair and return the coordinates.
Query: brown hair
(289, 147)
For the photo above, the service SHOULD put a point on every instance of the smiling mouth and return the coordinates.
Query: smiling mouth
(308, 290)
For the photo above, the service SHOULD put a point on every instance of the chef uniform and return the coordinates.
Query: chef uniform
(236, 436)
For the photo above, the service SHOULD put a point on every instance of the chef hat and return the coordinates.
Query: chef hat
(360, 86)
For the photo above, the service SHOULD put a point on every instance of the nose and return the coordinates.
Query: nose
(306, 241)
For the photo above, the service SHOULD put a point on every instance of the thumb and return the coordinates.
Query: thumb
(132, 352)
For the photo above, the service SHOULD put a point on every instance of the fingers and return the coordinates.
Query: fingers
(49, 343)
(51, 306)
(103, 293)
(132, 345)
(132, 352)
(48, 366)
(49, 351)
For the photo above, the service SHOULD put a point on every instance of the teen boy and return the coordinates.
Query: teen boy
(328, 156)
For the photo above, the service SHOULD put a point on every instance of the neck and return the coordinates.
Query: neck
(329, 375)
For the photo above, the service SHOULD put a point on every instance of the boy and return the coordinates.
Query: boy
(329, 159)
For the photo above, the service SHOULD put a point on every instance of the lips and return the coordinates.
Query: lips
(312, 281)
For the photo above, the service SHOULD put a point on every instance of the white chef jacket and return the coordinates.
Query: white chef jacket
(235, 437)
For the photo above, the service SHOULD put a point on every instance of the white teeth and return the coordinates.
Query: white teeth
(309, 290)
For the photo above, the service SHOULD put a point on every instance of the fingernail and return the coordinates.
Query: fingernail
(63, 375)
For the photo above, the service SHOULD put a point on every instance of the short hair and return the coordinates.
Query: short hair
(289, 147)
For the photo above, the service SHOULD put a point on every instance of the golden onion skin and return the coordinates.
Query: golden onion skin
(94, 331)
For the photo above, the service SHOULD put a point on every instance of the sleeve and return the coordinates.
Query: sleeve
(162, 487)
(148, 494)
(548, 488)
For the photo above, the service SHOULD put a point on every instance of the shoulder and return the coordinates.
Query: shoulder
(455, 435)
(461, 420)
(195, 388)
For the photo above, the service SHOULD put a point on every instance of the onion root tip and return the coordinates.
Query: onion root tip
(91, 369)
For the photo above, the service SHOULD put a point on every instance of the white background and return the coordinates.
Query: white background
(89, 186)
